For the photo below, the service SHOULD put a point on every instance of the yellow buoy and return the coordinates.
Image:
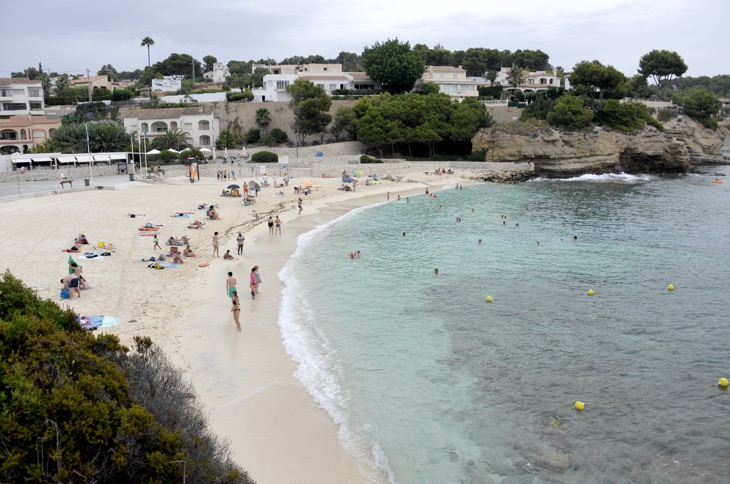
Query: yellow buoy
(723, 382)
(579, 405)
(591, 292)
(670, 287)
(489, 299)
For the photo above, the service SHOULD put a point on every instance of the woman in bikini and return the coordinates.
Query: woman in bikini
(236, 310)
(271, 226)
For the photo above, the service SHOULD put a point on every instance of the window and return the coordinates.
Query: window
(281, 85)
(543, 80)
(204, 140)
(22, 134)
(6, 92)
(188, 126)
(14, 107)
(173, 126)
(34, 92)
(145, 128)
(203, 125)
(36, 106)
(8, 134)
(39, 134)
(551, 81)
(332, 87)
(51, 132)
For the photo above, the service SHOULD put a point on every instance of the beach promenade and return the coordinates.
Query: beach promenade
(245, 380)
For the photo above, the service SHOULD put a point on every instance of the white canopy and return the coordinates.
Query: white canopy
(172, 151)
(66, 159)
(153, 152)
(39, 159)
(20, 160)
(84, 158)
(101, 158)
(118, 156)
(205, 150)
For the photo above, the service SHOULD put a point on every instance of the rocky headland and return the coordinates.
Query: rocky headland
(684, 145)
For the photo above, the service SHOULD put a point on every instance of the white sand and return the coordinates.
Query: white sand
(277, 433)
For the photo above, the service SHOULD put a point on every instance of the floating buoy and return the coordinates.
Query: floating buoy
(579, 405)
(489, 299)
(717, 180)
(723, 382)
(670, 287)
(591, 292)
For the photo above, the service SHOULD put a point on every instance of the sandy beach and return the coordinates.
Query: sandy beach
(245, 380)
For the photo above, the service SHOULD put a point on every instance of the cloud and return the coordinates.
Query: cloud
(71, 36)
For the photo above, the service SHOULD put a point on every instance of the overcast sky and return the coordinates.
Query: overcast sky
(75, 35)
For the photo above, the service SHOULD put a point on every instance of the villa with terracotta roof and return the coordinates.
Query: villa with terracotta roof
(534, 81)
(23, 120)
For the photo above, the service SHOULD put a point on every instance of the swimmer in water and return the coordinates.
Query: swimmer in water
(480, 242)
(436, 271)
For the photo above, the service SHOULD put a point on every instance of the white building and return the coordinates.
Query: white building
(534, 81)
(23, 120)
(451, 81)
(327, 76)
(219, 73)
(200, 125)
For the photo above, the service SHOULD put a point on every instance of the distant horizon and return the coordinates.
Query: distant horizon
(614, 32)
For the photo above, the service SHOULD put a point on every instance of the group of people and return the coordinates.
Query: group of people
(275, 225)
(254, 280)
(441, 171)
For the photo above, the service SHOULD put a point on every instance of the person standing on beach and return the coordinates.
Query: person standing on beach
(253, 283)
(271, 226)
(236, 310)
(239, 241)
(277, 225)
(258, 278)
(299, 204)
(216, 245)
(230, 284)
(157, 244)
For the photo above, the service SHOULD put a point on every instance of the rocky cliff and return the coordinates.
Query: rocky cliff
(563, 154)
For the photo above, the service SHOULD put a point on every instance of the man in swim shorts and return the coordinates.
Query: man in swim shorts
(230, 285)
(239, 241)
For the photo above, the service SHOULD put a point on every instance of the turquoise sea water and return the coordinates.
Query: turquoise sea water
(430, 384)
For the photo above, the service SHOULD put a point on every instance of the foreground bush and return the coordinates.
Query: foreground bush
(80, 408)
(626, 117)
(264, 157)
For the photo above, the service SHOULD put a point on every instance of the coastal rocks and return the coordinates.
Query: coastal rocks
(503, 176)
(565, 154)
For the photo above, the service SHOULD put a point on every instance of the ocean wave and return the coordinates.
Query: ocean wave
(317, 367)
(604, 178)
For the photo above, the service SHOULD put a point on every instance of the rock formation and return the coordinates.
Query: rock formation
(566, 154)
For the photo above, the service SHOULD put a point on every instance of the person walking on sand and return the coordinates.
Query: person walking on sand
(253, 283)
(239, 241)
(299, 204)
(277, 225)
(236, 310)
(216, 245)
(230, 284)
(157, 244)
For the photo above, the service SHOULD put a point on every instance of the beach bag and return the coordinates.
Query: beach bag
(65, 294)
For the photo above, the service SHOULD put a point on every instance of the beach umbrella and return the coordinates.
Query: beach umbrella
(186, 149)
(307, 183)
(172, 151)
(357, 173)
(153, 152)
(348, 180)
(206, 150)
(233, 186)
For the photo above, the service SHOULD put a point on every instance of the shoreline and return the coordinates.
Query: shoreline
(245, 380)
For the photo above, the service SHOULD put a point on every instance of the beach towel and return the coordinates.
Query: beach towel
(186, 215)
(147, 234)
(169, 265)
(91, 323)
(94, 255)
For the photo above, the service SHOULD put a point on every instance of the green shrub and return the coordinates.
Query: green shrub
(626, 117)
(570, 112)
(538, 109)
(253, 136)
(246, 95)
(368, 159)
(267, 140)
(666, 114)
(279, 135)
(264, 157)
(477, 155)
(122, 94)
(166, 157)
(75, 407)
(494, 92)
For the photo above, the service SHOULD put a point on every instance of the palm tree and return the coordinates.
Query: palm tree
(147, 42)
(515, 78)
(177, 140)
(263, 119)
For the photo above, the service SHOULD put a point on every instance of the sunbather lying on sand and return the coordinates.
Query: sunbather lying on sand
(196, 225)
